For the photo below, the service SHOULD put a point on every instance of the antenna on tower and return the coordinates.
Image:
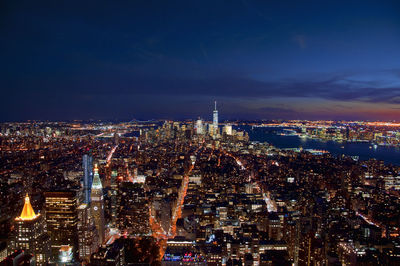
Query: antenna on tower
(215, 102)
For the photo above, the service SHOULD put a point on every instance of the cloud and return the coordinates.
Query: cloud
(121, 92)
(338, 87)
(333, 88)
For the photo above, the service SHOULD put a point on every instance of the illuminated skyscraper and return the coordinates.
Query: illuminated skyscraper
(199, 127)
(87, 163)
(114, 192)
(30, 234)
(228, 129)
(97, 204)
(87, 233)
(62, 220)
(210, 129)
(215, 120)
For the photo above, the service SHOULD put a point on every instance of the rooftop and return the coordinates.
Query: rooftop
(27, 212)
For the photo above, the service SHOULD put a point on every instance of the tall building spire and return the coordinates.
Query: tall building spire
(30, 235)
(96, 179)
(215, 121)
(97, 204)
(27, 212)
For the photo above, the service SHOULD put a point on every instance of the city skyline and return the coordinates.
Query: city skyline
(161, 133)
(244, 193)
(151, 60)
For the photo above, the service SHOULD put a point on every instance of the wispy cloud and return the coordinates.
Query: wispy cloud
(337, 87)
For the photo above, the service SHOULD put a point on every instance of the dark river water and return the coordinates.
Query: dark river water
(364, 150)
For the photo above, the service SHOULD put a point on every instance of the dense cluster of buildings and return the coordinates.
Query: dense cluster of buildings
(376, 133)
(191, 192)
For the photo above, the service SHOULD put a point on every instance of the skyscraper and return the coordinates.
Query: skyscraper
(228, 129)
(62, 219)
(87, 163)
(215, 120)
(87, 233)
(215, 115)
(30, 234)
(114, 192)
(97, 204)
(199, 127)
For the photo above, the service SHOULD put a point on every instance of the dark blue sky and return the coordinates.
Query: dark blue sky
(171, 59)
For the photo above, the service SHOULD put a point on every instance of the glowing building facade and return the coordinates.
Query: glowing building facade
(62, 220)
(97, 205)
(87, 233)
(199, 127)
(114, 193)
(215, 120)
(30, 234)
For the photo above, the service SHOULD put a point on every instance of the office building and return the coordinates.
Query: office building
(215, 120)
(228, 129)
(114, 193)
(62, 220)
(97, 205)
(199, 127)
(87, 233)
(30, 234)
(87, 164)
(274, 226)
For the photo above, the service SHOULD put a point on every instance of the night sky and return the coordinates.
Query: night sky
(122, 60)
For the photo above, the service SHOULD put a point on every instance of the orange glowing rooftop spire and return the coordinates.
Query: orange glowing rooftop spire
(27, 212)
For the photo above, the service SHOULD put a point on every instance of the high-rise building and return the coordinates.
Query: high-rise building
(97, 205)
(274, 226)
(249, 188)
(199, 127)
(114, 193)
(210, 129)
(87, 163)
(30, 234)
(215, 120)
(62, 220)
(87, 233)
(228, 129)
